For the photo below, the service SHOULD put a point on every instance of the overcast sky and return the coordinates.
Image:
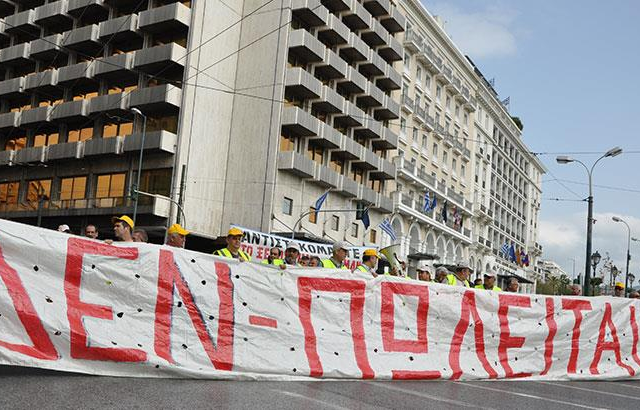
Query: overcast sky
(570, 69)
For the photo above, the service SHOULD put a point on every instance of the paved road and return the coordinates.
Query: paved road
(36, 389)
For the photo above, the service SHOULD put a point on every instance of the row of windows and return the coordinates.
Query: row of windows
(287, 209)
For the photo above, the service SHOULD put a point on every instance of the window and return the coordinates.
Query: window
(418, 75)
(337, 164)
(119, 129)
(9, 195)
(357, 174)
(448, 103)
(415, 135)
(110, 186)
(425, 141)
(377, 185)
(335, 222)
(167, 123)
(372, 236)
(438, 93)
(457, 112)
(287, 143)
(445, 158)
(354, 229)
(435, 152)
(38, 189)
(80, 134)
(44, 140)
(156, 181)
(403, 127)
(454, 165)
(315, 153)
(15, 144)
(466, 119)
(287, 206)
(73, 188)
(407, 63)
(427, 82)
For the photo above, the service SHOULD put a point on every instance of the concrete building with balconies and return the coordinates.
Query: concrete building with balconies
(435, 149)
(251, 111)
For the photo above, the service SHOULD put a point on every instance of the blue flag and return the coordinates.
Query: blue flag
(427, 202)
(433, 202)
(444, 212)
(365, 219)
(512, 253)
(320, 201)
(505, 249)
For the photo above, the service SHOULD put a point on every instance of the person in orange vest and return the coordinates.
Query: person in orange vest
(233, 251)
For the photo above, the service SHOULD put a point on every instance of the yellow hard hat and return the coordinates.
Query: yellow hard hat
(177, 228)
(620, 285)
(371, 252)
(123, 218)
(235, 232)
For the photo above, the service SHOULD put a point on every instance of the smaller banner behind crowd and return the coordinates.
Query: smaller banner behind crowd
(257, 244)
(134, 309)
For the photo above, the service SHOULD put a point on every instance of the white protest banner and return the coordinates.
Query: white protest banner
(70, 303)
(257, 244)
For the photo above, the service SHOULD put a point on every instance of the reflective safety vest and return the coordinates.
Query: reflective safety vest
(328, 263)
(495, 288)
(275, 262)
(454, 281)
(227, 254)
(362, 268)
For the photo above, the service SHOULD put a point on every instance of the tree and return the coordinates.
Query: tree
(518, 122)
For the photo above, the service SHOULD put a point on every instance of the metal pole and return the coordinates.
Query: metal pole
(587, 265)
(144, 131)
(184, 218)
(626, 274)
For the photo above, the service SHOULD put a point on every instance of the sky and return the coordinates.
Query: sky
(571, 70)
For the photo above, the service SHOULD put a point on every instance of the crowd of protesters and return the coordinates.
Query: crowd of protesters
(124, 230)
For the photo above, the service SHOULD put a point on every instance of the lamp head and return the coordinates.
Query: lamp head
(563, 159)
(595, 258)
(137, 111)
(616, 219)
(613, 152)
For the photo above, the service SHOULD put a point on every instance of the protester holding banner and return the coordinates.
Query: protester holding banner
(336, 261)
(140, 235)
(90, 231)
(233, 251)
(369, 262)
(618, 290)
(441, 274)
(424, 271)
(461, 275)
(176, 236)
(489, 282)
(123, 228)
(314, 262)
(291, 254)
(513, 285)
(274, 257)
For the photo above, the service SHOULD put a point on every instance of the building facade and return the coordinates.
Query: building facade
(249, 112)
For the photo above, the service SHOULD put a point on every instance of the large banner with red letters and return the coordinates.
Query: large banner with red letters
(69, 303)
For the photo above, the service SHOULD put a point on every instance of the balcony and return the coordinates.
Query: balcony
(99, 147)
(420, 114)
(334, 32)
(347, 187)
(376, 35)
(391, 51)
(111, 103)
(44, 82)
(123, 30)
(389, 140)
(350, 116)
(174, 17)
(161, 99)
(83, 40)
(391, 79)
(47, 48)
(367, 195)
(13, 88)
(16, 55)
(155, 141)
(371, 96)
(91, 9)
(353, 82)
(310, 12)
(377, 8)
(329, 101)
(325, 177)
(79, 75)
(328, 137)
(35, 116)
(300, 84)
(298, 122)
(70, 112)
(407, 103)
(54, 14)
(9, 120)
(383, 203)
(22, 23)
(305, 47)
(355, 50)
(166, 59)
(413, 41)
(331, 66)
(385, 170)
(390, 109)
(115, 68)
(394, 22)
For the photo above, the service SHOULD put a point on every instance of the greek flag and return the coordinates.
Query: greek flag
(385, 225)
(427, 202)
(505, 249)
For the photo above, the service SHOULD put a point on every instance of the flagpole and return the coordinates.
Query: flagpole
(293, 232)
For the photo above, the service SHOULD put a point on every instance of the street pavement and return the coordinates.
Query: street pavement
(34, 389)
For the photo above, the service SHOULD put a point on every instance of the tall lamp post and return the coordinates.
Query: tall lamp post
(567, 160)
(137, 187)
(595, 260)
(626, 274)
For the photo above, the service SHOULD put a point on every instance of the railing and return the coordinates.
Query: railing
(455, 196)
(406, 100)
(420, 112)
(429, 120)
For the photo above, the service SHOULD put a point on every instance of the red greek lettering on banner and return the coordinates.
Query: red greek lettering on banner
(356, 290)
(169, 278)
(634, 331)
(506, 340)
(468, 304)
(42, 347)
(613, 345)
(548, 343)
(576, 306)
(387, 326)
(77, 309)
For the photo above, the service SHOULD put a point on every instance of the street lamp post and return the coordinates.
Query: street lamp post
(137, 187)
(626, 274)
(567, 160)
(595, 260)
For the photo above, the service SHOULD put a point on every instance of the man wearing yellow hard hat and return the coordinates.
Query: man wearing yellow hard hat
(233, 251)
(176, 236)
(618, 291)
(123, 228)
(370, 259)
